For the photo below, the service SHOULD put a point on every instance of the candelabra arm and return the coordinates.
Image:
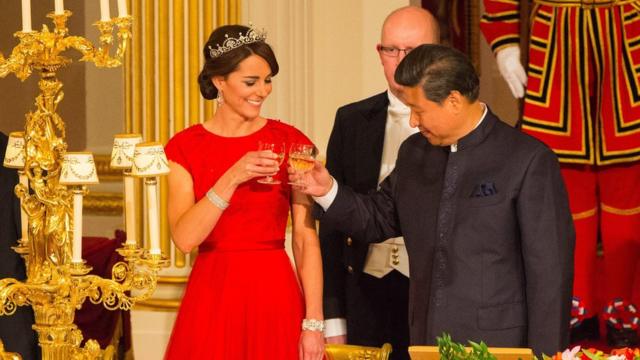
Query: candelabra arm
(100, 55)
(19, 62)
(83, 45)
(115, 293)
(14, 293)
(124, 34)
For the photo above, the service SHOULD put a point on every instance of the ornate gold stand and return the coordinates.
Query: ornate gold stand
(55, 286)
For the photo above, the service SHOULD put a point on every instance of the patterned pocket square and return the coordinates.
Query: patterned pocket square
(484, 190)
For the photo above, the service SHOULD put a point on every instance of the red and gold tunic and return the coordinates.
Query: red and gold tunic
(583, 90)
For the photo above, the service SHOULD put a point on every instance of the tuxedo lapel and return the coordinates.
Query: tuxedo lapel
(370, 140)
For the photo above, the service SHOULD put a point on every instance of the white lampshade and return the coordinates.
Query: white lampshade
(149, 159)
(78, 168)
(123, 147)
(14, 157)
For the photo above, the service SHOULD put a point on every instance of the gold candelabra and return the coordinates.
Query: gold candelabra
(58, 283)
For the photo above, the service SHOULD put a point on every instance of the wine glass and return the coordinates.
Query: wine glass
(301, 159)
(276, 148)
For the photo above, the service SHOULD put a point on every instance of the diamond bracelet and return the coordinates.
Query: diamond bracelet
(216, 200)
(313, 325)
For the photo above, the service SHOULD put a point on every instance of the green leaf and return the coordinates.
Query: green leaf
(591, 355)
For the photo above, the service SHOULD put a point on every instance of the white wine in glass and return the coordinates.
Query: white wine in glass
(278, 149)
(301, 159)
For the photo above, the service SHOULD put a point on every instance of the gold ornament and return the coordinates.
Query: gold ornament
(56, 286)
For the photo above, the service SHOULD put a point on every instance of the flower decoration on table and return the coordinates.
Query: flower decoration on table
(578, 312)
(576, 353)
(451, 350)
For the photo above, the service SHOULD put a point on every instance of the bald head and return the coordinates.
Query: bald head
(405, 28)
(413, 23)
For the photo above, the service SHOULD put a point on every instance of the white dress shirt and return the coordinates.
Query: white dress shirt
(391, 254)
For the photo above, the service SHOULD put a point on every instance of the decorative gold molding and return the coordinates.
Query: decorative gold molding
(164, 304)
(158, 305)
(173, 280)
(103, 203)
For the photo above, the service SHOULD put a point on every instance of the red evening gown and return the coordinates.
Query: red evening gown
(243, 300)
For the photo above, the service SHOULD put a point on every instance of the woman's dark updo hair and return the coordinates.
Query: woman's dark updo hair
(226, 63)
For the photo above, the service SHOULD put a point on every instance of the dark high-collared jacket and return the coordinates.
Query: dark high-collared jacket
(489, 235)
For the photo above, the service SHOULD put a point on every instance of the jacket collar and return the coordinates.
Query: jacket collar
(477, 135)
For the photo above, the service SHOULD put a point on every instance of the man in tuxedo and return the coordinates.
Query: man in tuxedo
(482, 208)
(366, 286)
(15, 330)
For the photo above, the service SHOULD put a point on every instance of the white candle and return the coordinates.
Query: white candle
(77, 227)
(129, 210)
(122, 8)
(154, 221)
(26, 16)
(59, 7)
(24, 219)
(104, 10)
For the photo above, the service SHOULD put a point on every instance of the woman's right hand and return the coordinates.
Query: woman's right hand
(252, 165)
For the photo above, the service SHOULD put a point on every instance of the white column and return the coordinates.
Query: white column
(129, 210)
(77, 226)
(26, 16)
(154, 221)
(105, 15)
(59, 7)
(24, 219)
(122, 8)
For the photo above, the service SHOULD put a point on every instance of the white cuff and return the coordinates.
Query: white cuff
(335, 327)
(327, 199)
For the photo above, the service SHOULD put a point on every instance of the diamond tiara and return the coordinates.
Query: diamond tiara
(230, 43)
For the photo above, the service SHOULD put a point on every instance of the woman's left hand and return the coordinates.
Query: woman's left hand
(311, 345)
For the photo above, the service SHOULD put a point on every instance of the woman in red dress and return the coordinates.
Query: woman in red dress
(243, 300)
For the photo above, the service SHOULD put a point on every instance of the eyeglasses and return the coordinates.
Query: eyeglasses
(392, 51)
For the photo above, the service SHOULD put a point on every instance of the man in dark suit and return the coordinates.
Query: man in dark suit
(482, 208)
(15, 330)
(366, 286)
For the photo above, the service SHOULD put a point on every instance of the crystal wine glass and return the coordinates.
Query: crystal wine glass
(276, 148)
(301, 159)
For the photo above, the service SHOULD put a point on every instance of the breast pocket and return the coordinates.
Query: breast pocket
(485, 200)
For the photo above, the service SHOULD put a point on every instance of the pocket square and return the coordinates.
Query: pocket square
(484, 190)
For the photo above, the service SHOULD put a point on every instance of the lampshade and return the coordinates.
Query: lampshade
(123, 147)
(14, 157)
(149, 160)
(78, 168)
